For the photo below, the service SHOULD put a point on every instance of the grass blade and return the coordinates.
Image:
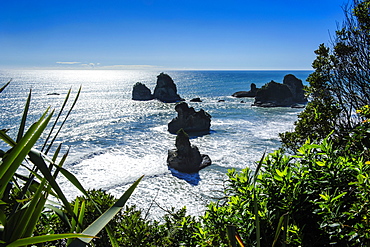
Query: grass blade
(3, 87)
(37, 159)
(24, 118)
(65, 119)
(7, 139)
(104, 219)
(57, 119)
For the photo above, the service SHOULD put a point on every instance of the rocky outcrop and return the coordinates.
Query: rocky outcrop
(141, 92)
(186, 158)
(166, 90)
(196, 100)
(274, 94)
(191, 121)
(250, 93)
(296, 87)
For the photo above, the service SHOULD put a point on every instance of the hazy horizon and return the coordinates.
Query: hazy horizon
(165, 35)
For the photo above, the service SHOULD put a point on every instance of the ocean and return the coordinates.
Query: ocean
(113, 140)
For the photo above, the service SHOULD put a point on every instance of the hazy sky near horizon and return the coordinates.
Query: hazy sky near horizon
(164, 34)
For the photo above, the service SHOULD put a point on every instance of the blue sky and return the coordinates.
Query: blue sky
(202, 34)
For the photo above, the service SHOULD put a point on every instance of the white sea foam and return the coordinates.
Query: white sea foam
(114, 140)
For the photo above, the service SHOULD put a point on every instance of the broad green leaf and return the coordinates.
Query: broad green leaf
(7, 139)
(15, 157)
(321, 163)
(338, 196)
(279, 173)
(60, 213)
(26, 217)
(104, 219)
(45, 238)
(37, 159)
(278, 178)
(325, 197)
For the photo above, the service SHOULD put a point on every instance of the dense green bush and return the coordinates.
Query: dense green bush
(340, 83)
(318, 197)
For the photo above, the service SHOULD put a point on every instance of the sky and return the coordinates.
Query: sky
(165, 34)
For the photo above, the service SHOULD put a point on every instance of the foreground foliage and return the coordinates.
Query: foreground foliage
(340, 83)
(27, 179)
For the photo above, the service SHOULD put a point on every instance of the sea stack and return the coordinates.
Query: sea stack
(191, 121)
(186, 158)
(166, 90)
(286, 94)
(141, 92)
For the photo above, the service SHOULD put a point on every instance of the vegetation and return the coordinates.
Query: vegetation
(340, 83)
(316, 194)
(24, 197)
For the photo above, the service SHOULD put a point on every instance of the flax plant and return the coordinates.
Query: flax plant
(23, 198)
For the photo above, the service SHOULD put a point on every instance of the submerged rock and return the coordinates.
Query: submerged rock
(186, 158)
(166, 90)
(191, 121)
(141, 92)
(250, 93)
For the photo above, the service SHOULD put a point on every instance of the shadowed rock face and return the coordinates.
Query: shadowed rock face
(296, 87)
(191, 121)
(166, 90)
(141, 92)
(186, 158)
(251, 93)
(275, 94)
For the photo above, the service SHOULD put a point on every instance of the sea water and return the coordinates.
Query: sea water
(113, 140)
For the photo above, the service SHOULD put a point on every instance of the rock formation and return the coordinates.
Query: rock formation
(166, 90)
(274, 94)
(250, 93)
(191, 121)
(186, 158)
(296, 87)
(141, 92)
(196, 100)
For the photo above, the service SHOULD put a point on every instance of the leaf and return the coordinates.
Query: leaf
(37, 159)
(280, 173)
(338, 196)
(3, 87)
(325, 197)
(45, 238)
(94, 228)
(24, 118)
(15, 157)
(321, 163)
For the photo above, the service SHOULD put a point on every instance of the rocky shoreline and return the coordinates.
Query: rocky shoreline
(186, 158)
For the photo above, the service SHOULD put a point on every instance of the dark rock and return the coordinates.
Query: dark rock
(196, 100)
(296, 87)
(221, 100)
(166, 90)
(141, 92)
(250, 93)
(186, 158)
(193, 122)
(275, 94)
